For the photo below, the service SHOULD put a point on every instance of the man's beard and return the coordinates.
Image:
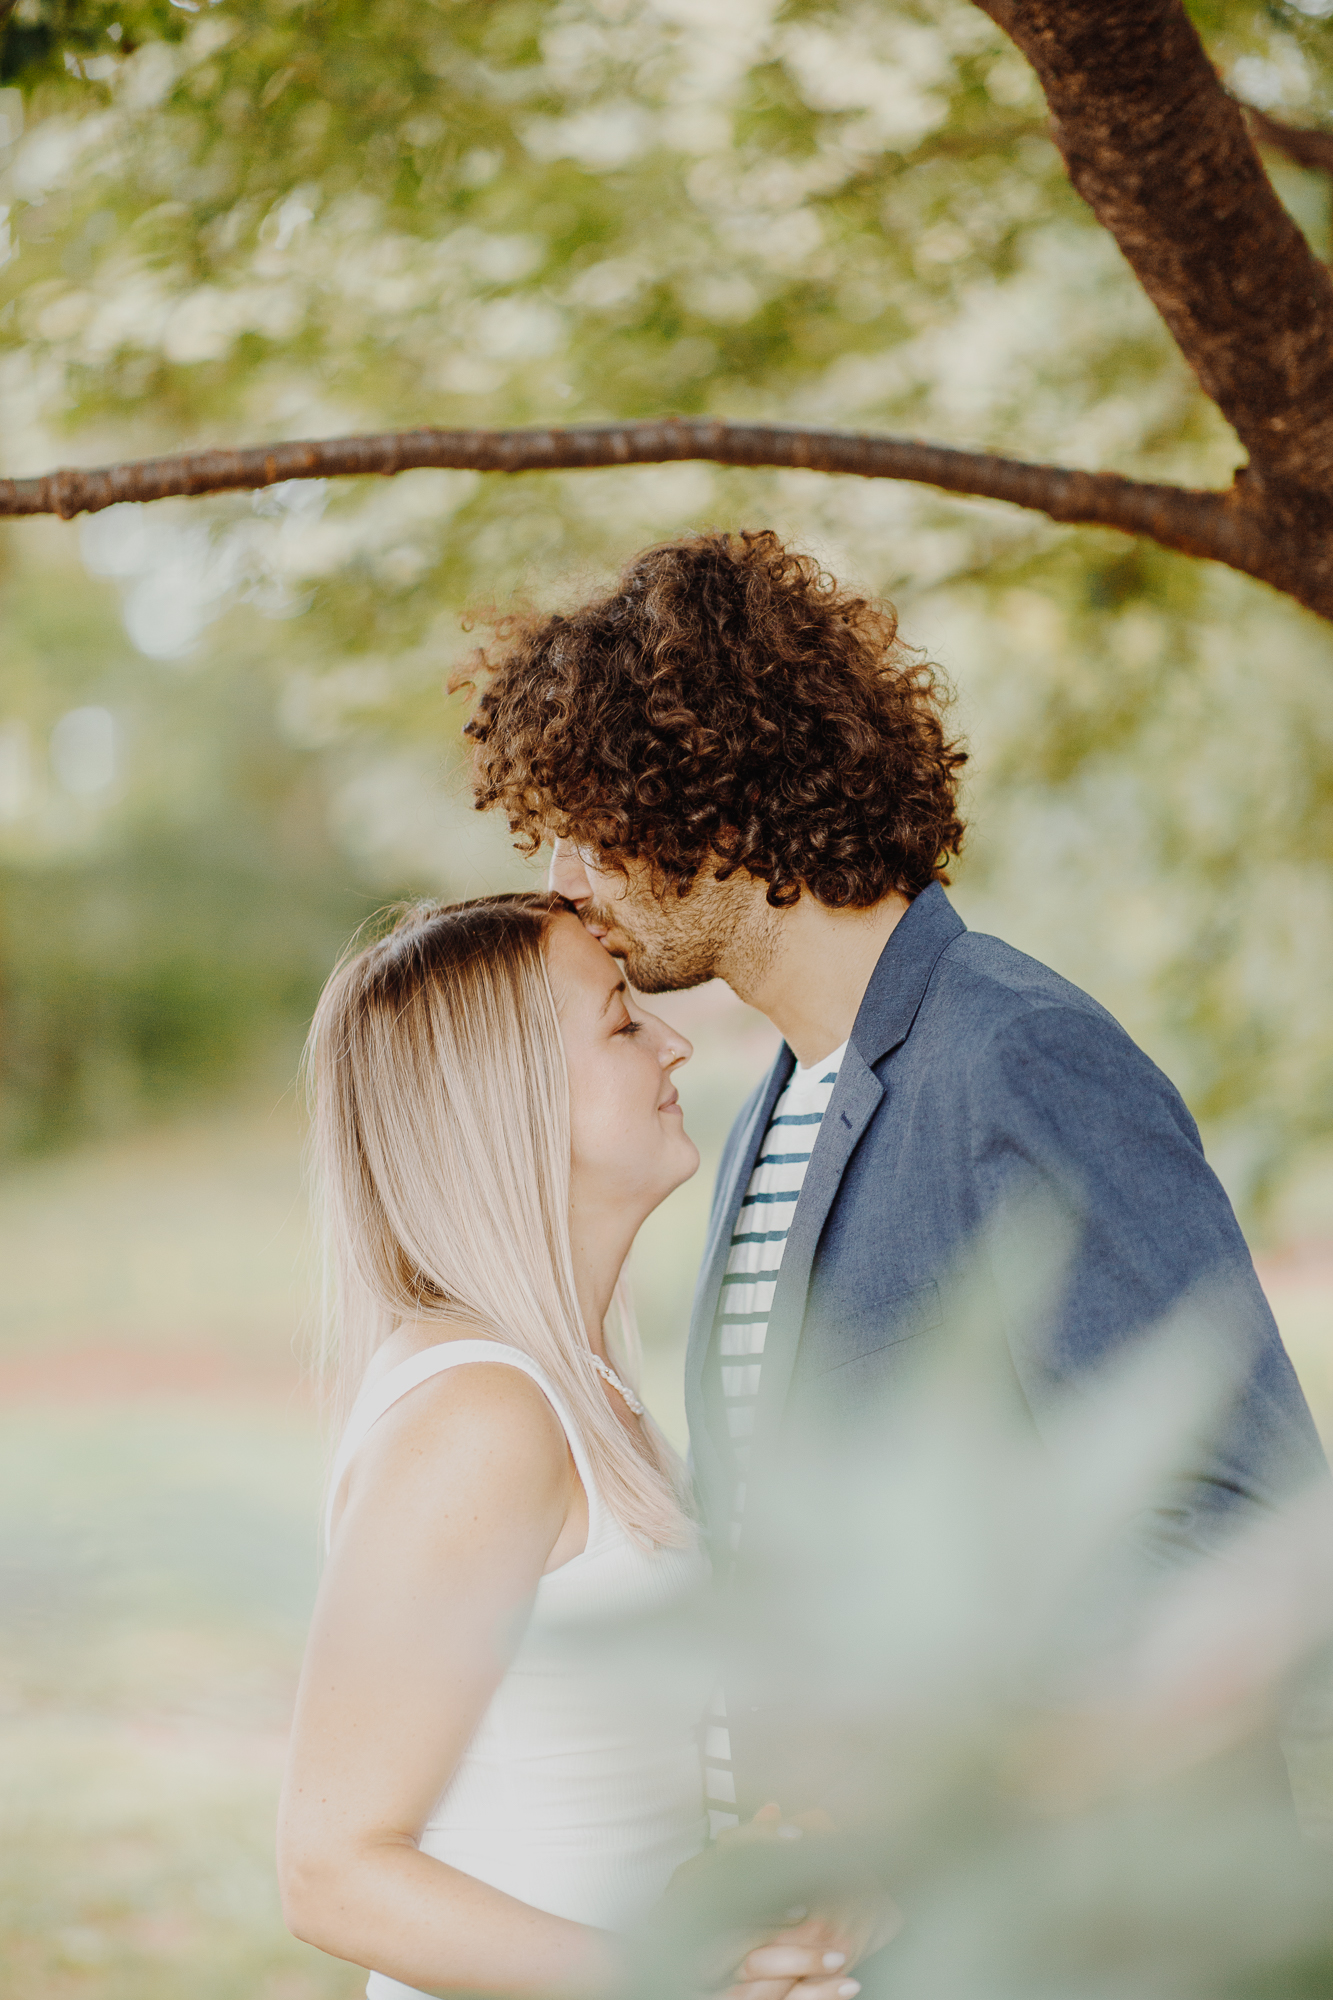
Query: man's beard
(659, 956)
(671, 943)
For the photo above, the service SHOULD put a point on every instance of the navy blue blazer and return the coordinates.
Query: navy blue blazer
(977, 1084)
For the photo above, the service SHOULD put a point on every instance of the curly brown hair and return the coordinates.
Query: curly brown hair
(729, 699)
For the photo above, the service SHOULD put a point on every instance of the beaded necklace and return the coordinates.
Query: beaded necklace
(608, 1374)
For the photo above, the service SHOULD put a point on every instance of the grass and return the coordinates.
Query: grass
(160, 1562)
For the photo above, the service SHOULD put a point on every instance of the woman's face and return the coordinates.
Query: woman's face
(629, 1143)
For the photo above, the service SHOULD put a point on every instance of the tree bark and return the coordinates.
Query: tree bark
(1159, 151)
(1302, 145)
(1195, 523)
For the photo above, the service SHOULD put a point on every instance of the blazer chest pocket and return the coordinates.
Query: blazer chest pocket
(871, 1328)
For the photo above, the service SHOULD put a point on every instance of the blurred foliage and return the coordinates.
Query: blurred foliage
(56, 38)
(1059, 1756)
(251, 220)
(166, 924)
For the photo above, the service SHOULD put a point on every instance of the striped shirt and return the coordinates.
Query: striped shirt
(757, 1243)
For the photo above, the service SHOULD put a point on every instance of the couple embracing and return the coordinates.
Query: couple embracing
(743, 775)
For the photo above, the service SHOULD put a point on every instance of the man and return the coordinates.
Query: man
(746, 775)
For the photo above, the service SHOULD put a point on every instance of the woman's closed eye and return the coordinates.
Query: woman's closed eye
(630, 1027)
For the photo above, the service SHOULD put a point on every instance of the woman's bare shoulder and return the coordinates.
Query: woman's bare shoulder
(482, 1432)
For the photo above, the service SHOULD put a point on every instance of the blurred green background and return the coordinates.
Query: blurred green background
(225, 741)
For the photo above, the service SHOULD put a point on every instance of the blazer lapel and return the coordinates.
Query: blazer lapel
(856, 1098)
(708, 1466)
(884, 1020)
(887, 1011)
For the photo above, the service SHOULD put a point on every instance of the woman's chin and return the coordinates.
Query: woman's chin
(680, 1165)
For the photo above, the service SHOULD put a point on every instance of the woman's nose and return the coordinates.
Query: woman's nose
(567, 875)
(675, 1049)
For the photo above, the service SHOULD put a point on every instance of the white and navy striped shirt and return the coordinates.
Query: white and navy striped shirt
(757, 1243)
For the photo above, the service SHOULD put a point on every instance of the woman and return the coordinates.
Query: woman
(468, 1803)
(494, 1118)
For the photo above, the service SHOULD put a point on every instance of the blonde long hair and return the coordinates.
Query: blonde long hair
(441, 1141)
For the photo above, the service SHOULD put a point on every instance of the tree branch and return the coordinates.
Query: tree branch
(1160, 152)
(1195, 523)
(1302, 145)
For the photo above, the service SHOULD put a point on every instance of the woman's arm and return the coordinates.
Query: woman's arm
(457, 1501)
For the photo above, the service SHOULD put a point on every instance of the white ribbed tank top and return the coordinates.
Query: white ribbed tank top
(576, 1793)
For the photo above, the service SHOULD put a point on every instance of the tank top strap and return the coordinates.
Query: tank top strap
(379, 1397)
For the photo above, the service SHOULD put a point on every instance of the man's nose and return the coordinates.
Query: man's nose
(567, 875)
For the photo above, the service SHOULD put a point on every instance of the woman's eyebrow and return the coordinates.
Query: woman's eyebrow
(619, 987)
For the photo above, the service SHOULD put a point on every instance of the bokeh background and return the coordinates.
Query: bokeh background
(225, 738)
